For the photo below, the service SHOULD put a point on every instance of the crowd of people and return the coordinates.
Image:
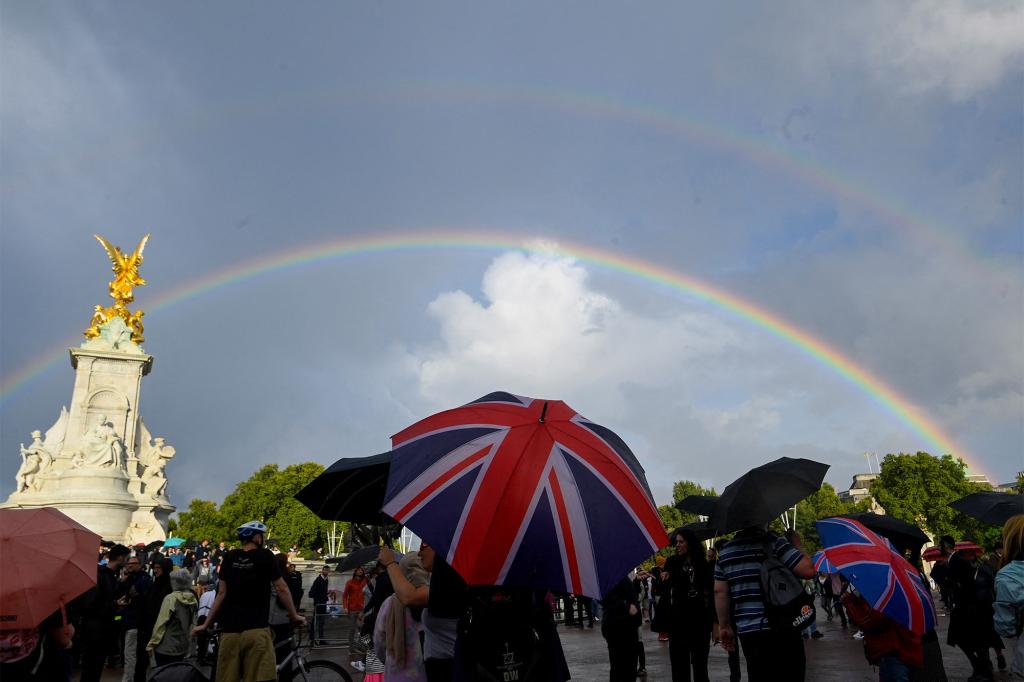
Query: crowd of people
(413, 618)
(978, 593)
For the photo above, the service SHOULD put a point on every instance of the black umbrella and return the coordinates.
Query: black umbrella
(700, 529)
(359, 557)
(701, 505)
(153, 545)
(990, 507)
(901, 534)
(761, 494)
(351, 489)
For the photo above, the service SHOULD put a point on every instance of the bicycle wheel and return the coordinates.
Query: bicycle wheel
(320, 671)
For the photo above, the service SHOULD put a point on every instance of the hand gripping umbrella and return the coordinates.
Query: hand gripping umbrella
(523, 492)
(48, 560)
(761, 494)
(886, 580)
(990, 507)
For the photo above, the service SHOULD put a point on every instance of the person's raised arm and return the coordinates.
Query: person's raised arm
(805, 568)
(407, 593)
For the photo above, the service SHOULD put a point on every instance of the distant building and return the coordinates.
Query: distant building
(859, 490)
(981, 479)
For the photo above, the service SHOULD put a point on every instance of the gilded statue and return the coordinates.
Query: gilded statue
(126, 277)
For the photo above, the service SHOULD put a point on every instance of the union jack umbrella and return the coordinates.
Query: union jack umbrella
(524, 492)
(822, 564)
(884, 578)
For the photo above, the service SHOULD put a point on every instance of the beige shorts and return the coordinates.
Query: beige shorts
(247, 656)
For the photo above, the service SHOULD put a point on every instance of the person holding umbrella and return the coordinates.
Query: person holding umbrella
(49, 560)
(748, 505)
(971, 626)
(739, 599)
(896, 650)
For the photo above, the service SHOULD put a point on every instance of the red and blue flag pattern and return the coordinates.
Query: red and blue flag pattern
(524, 492)
(887, 581)
(822, 564)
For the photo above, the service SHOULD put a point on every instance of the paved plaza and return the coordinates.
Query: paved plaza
(835, 657)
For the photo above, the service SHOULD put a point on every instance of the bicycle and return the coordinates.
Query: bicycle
(292, 667)
(296, 667)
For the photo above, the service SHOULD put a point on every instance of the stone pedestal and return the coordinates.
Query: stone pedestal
(98, 463)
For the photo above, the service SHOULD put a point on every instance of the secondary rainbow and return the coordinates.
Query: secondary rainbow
(887, 397)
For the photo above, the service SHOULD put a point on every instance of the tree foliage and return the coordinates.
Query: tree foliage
(918, 489)
(267, 496)
(821, 504)
(683, 489)
(203, 521)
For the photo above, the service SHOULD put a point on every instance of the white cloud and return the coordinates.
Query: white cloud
(955, 46)
(750, 420)
(541, 330)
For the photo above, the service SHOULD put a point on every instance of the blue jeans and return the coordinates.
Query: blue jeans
(892, 669)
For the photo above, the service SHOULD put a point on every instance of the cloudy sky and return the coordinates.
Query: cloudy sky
(854, 169)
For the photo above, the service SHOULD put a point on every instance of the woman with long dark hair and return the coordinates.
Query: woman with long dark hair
(691, 611)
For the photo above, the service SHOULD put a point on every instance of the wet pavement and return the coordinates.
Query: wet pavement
(836, 656)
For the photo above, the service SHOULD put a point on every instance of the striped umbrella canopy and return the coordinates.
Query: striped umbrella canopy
(884, 578)
(524, 492)
(822, 564)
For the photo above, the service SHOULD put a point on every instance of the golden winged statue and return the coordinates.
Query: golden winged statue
(126, 277)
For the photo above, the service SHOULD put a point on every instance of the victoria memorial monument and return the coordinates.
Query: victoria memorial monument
(99, 463)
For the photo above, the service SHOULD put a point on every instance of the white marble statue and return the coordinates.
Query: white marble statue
(101, 448)
(155, 459)
(35, 459)
(146, 530)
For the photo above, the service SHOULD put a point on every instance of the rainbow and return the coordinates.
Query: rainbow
(830, 358)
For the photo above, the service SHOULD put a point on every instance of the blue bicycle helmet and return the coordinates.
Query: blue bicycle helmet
(247, 530)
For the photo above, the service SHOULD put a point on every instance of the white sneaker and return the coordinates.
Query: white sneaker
(858, 635)
(359, 665)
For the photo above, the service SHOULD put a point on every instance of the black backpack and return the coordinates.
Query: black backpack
(787, 606)
(499, 642)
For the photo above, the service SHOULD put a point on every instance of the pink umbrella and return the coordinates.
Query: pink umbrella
(48, 560)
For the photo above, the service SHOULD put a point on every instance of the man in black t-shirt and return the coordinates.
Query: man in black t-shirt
(242, 609)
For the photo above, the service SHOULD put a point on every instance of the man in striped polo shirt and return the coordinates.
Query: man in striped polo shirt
(739, 601)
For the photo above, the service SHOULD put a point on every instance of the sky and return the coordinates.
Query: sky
(851, 171)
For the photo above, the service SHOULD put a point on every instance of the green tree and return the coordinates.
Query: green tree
(671, 517)
(203, 521)
(268, 496)
(918, 489)
(821, 504)
(683, 489)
